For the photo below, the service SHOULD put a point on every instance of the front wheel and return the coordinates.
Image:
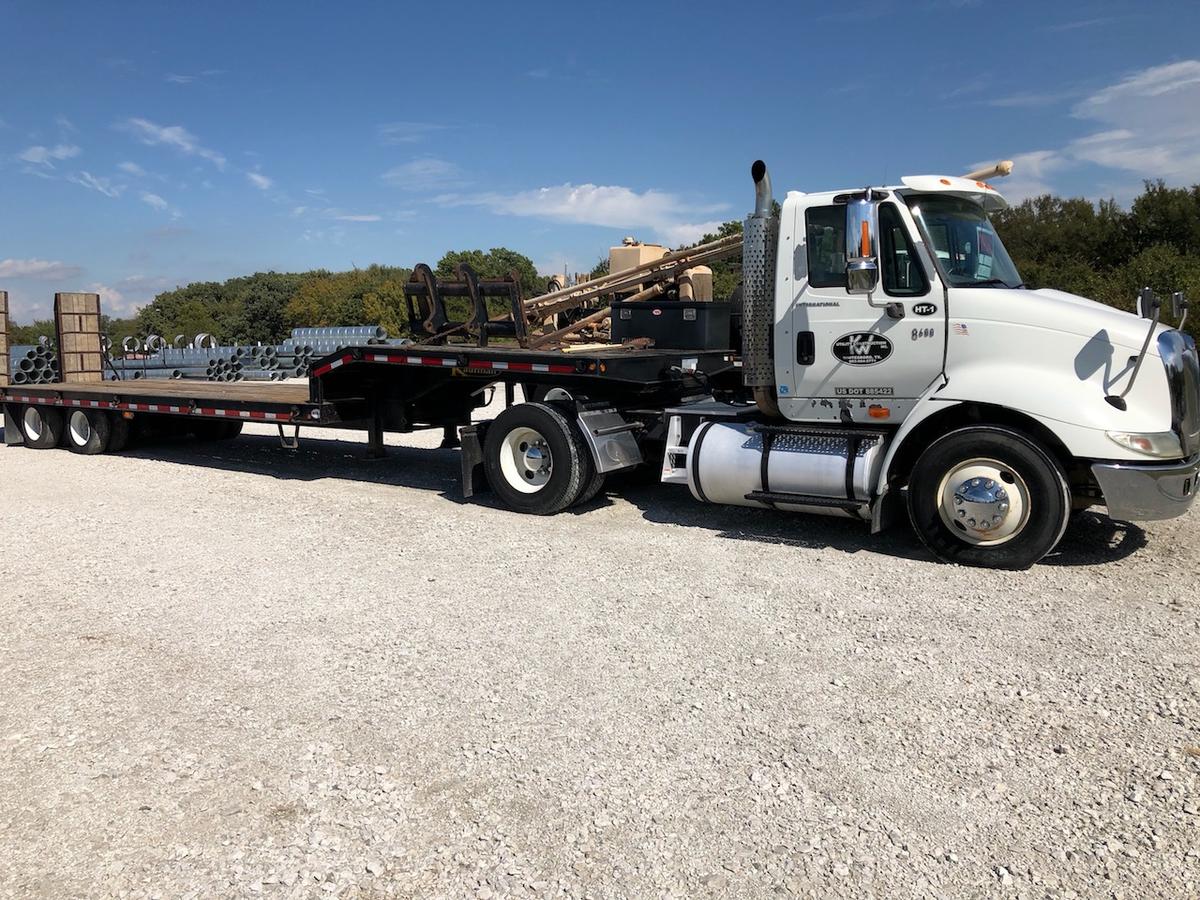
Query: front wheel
(990, 497)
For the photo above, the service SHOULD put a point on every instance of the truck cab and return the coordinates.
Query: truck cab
(889, 328)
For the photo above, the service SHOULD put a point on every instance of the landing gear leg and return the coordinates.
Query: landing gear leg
(450, 439)
(375, 448)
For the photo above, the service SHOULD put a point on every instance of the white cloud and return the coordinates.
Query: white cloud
(1146, 130)
(41, 269)
(180, 79)
(1152, 130)
(154, 201)
(131, 168)
(356, 217)
(44, 156)
(425, 174)
(112, 301)
(175, 136)
(612, 206)
(407, 132)
(262, 182)
(95, 183)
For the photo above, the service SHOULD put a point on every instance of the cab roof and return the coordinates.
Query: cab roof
(955, 186)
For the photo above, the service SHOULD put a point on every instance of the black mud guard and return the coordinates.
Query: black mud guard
(473, 476)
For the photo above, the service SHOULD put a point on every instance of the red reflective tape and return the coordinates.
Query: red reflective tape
(329, 367)
(431, 360)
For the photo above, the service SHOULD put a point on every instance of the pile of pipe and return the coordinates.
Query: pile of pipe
(203, 358)
(33, 363)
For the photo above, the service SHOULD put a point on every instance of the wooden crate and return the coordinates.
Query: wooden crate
(4, 361)
(77, 321)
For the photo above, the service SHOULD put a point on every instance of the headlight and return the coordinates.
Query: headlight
(1163, 444)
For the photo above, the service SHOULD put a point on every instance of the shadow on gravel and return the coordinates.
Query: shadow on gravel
(1091, 538)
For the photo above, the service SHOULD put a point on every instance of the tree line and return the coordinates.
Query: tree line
(1100, 251)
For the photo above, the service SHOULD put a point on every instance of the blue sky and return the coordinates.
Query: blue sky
(144, 145)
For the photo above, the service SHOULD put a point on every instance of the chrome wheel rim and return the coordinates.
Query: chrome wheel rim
(984, 502)
(33, 423)
(525, 460)
(79, 428)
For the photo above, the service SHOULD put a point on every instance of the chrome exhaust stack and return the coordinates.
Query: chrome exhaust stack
(760, 238)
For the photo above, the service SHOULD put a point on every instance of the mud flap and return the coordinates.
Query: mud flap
(12, 426)
(474, 478)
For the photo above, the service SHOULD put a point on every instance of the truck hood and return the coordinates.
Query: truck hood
(1057, 311)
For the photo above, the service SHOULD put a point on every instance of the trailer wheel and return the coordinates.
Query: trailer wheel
(532, 459)
(592, 481)
(989, 497)
(216, 429)
(118, 432)
(88, 431)
(41, 426)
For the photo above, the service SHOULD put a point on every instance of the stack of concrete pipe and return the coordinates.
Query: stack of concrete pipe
(33, 363)
(205, 359)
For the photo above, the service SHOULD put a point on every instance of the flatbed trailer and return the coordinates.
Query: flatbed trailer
(611, 399)
(889, 360)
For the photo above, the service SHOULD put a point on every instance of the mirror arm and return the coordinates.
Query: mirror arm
(1118, 401)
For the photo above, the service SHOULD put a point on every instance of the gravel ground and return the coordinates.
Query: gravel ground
(233, 670)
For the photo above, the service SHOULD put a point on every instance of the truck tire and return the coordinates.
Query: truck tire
(593, 479)
(532, 459)
(41, 426)
(88, 431)
(989, 496)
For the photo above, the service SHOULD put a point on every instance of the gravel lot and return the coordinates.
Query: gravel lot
(233, 670)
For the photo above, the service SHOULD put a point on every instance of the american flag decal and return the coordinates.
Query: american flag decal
(960, 328)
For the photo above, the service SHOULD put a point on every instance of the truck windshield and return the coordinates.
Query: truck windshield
(967, 246)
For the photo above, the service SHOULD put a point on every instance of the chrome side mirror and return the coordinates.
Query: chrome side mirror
(862, 264)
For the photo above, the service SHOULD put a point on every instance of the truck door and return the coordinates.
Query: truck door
(846, 359)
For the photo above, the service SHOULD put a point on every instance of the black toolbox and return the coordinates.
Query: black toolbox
(673, 324)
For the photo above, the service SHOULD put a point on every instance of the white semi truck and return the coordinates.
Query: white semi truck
(897, 360)
(890, 361)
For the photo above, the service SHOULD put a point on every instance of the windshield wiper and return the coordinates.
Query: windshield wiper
(992, 282)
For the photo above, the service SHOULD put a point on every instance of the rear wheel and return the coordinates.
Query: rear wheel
(990, 497)
(41, 426)
(532, 459)
(88, 431)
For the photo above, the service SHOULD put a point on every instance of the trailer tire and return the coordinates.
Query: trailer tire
(593, 479)
(216, 429)
(41, 426)
(118, 432)
(87, 431)
(989, 496)
(532, 459)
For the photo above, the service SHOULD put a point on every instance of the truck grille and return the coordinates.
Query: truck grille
(1178, 352)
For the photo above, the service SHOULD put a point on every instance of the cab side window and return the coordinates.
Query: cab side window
(903, 274)
(826, 242)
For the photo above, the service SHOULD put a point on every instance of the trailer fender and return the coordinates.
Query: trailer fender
(610, 439)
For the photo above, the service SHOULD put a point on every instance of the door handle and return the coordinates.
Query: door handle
(806, 348)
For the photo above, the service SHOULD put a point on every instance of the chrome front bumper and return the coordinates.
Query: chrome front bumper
(1141, 493)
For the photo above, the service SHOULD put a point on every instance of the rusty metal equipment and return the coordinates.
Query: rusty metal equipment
(426, 297)
(665, 268)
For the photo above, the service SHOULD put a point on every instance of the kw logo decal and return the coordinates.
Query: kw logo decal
(862, 348)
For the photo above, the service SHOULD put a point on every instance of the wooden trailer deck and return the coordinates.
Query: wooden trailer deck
(260, 400)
